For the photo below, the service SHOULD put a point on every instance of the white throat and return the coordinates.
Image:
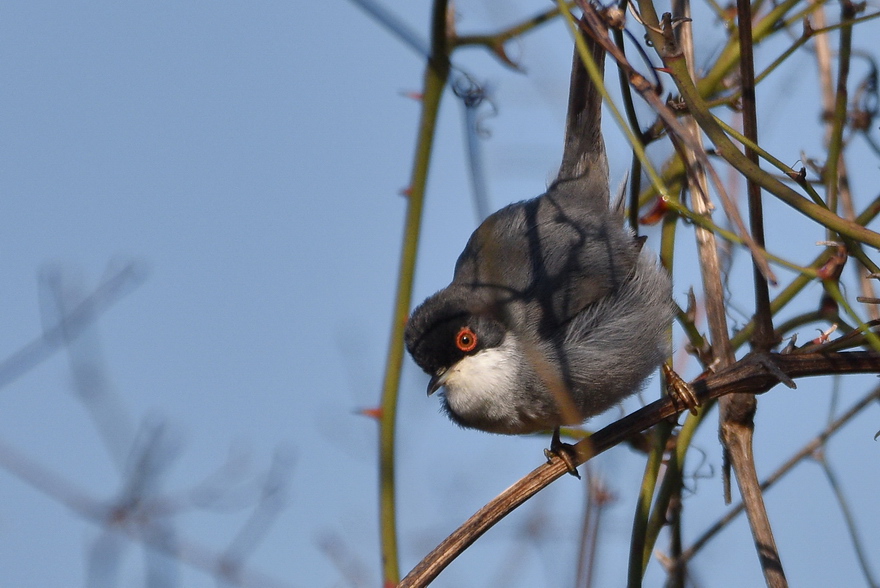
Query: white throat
(482, 385)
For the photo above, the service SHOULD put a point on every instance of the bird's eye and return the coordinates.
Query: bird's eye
(466, 340)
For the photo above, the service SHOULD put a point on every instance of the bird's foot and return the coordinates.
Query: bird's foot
(680, 392)
(564, 451)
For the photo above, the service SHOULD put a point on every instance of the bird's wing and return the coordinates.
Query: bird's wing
(552, 261)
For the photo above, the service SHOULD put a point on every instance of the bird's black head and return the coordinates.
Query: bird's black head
(448, 326)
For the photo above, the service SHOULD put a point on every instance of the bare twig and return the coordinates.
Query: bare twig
(122, 521)
(805, 452)
(60, 296)
(109, 291)
(750, 374)
(848, 518)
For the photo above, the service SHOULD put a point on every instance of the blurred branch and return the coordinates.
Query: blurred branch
(495, 42)
(59, 297)
(472, 96)
(110, 291)
(398, 28)
(848, 517)
(639, 545)
(273, 499)
(596, 497)
(121, 521)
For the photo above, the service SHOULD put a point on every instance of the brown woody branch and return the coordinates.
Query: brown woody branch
(756, 373)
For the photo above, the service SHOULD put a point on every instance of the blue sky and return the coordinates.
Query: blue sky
(247, 158)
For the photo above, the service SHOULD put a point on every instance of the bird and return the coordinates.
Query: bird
(555, 312)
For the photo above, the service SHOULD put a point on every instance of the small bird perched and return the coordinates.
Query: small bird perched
(555, 312)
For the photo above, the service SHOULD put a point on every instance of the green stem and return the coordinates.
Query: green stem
(638, 558)
(835, 143)
(708, 224)
(672, 479)
(772, 160)
(801, 281)
(495, 40)
(730, 55)
(436, 74)
(725, 147)
(833, 289)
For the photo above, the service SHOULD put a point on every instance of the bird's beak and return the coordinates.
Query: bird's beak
(437, 380)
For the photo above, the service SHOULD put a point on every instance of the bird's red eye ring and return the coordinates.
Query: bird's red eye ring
(466, 340)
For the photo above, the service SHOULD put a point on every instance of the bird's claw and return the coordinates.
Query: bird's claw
(564, 451)
(680, 392)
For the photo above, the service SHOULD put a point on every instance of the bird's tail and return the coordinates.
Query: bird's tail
(584, 161)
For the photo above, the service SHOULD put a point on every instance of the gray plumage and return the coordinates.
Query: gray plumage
(555, 311)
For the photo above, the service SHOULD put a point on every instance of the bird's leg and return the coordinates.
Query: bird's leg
(680, 392)
(564, 451)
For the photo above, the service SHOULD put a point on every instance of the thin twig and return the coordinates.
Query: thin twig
(805, 452)
(848, 517)
(108, 292)
(134, 528)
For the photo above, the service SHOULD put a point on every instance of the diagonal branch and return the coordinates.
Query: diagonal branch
(805, 452)
(756, 373)
(72, 324)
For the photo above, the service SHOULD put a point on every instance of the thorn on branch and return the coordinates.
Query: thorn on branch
(824, 335)
(412, 95)
(374, 412)
(790, 346)
(832, 268)
(799, 176)
(656, 214)
(808, 28)
(501, 53)
(767, 362)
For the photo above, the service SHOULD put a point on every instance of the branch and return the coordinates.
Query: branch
(756, 373)
(806, 451)
(109, 292)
